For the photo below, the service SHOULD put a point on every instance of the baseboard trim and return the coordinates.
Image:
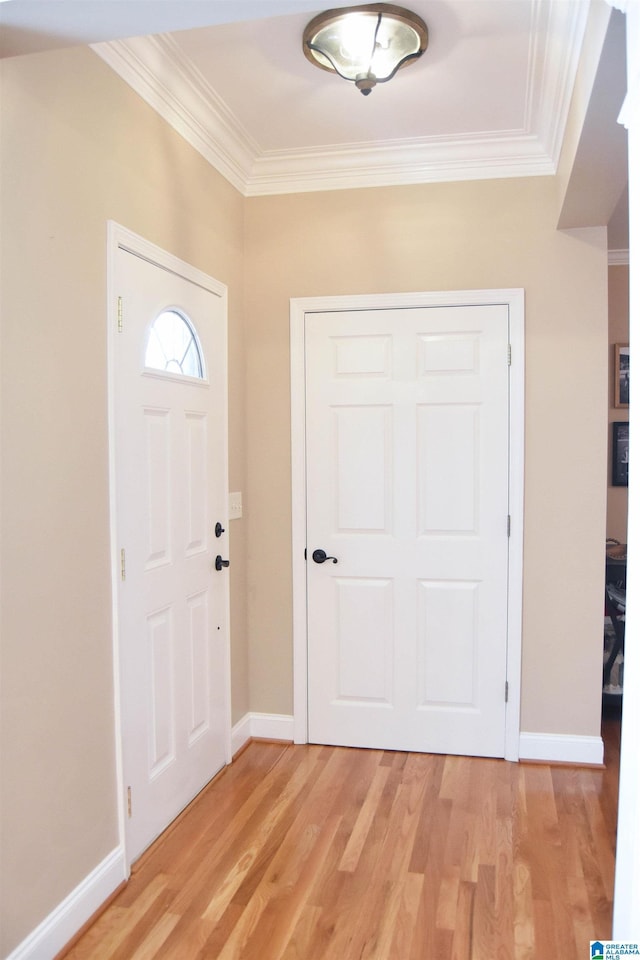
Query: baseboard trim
(240, 734)
(263, 726)
(561, 748)
(545, 747)
(63, 923)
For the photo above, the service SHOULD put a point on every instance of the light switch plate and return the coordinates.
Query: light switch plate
(235, 506)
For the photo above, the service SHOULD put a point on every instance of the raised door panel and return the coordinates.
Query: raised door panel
(363, 448)
(157, 435)
(196, 482)
(448, 633)
(161, 691)
(447, 474)
(365, 640)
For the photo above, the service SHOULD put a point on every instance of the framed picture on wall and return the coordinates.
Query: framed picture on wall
(620, 454)
(621, 375)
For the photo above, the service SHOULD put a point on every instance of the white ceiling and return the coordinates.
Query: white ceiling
(32, 26)
(489, 98)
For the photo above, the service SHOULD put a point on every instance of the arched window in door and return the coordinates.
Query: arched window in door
(172, 346)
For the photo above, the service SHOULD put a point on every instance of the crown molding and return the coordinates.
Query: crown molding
(158, 71)
(551, 80)
(618, 258)
(426, 160)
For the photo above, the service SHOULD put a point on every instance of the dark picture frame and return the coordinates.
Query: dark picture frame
(620, 454)
(621, 375)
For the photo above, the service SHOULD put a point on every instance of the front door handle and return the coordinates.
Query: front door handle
(220, 563)
(319, 556)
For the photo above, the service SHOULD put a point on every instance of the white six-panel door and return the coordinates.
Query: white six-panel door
(407, 473)
(171, 490)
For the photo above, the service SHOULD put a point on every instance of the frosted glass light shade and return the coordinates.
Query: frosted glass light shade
(366, 45)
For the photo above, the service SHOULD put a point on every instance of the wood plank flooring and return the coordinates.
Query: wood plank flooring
(326, 853)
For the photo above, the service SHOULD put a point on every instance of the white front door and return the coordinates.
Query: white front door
(171, 490)
(407, 468)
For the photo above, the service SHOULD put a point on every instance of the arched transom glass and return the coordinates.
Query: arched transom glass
(173, 347)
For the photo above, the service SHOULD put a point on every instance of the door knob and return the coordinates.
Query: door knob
(218, 529)
(220, 563)
(320, 556)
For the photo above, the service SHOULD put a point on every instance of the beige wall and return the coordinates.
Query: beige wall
(79, 148)
(617, 497)
(447, 237)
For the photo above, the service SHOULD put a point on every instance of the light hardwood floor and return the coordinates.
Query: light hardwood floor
(326, 853)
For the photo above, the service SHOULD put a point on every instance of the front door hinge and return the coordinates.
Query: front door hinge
(123, 565)
(508, 524)
(506, 691)
(120, 319)
(508, 354)
(128, 801)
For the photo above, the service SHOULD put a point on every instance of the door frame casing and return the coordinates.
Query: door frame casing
(121, 238)
(299, 308)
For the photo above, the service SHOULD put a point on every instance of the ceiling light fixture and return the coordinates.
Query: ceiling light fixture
(366, 45)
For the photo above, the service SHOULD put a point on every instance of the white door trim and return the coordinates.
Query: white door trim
(120, 238)
(514, 300)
